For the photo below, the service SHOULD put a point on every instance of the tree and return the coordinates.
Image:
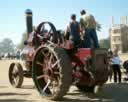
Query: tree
(105, 43)
(6, 46)
(98, 26)
(24, 37)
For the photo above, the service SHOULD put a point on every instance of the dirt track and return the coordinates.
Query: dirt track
(110, 92)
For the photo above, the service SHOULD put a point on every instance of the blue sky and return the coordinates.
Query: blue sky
(12, 18)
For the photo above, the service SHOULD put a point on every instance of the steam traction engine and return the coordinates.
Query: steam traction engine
(57, 64)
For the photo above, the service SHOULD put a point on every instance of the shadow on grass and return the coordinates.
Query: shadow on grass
(12, 94)
(15, 100)
(88, 97)
(109, 93)
(28, 87)
(3, 86)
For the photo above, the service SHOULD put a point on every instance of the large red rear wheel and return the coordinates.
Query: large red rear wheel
(51, 71)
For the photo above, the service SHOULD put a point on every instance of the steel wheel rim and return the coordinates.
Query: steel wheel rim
(50, 71)
(14, 75)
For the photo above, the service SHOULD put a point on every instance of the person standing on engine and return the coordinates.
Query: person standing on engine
(73, 31)
(88, 29)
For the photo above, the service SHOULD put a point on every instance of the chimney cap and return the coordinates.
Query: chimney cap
(28, 11)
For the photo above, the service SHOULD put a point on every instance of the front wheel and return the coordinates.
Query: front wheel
(16, 75)
(51, 72)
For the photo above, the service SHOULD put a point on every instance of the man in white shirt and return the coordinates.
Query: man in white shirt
(116, 66)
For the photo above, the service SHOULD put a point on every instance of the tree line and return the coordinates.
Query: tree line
(7, 46)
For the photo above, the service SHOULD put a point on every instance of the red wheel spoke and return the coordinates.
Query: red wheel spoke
(39, 63)
(57, 73)
(39, 77)
(46, 86)
(45, 54)
(50, 61)
(58, 61)
(42, 76)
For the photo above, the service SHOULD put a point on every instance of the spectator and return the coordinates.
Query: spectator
(18, 54)
(125, 65)
(116, 66)
(110, 55)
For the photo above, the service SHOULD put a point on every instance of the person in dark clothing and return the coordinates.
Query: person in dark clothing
(110, 55)
(125, 65)
(116, 66)
(73, 31)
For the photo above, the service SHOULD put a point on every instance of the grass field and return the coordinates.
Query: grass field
(111, 92)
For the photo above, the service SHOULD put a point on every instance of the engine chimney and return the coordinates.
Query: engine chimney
(29, 23)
